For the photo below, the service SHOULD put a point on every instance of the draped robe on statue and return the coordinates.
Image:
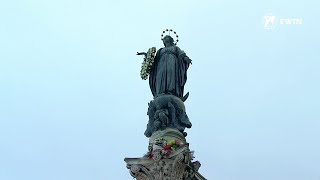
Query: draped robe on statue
(169, 72)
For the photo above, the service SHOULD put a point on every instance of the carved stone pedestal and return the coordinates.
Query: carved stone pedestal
(169, 158)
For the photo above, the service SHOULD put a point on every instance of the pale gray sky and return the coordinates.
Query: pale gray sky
(72, 104)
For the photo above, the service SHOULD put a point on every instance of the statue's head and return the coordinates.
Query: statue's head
(168, 41)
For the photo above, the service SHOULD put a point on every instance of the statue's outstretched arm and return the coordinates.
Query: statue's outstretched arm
(141, 53)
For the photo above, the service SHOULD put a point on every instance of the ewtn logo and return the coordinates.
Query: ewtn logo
(269, 21)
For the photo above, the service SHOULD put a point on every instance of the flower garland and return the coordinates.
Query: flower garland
(162, 147)
(147, 63)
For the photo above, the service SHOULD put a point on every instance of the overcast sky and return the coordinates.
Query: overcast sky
(73, 106)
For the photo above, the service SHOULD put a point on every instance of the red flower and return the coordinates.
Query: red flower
(167, 147)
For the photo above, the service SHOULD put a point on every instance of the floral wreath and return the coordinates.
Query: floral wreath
(147, 63)
(162, 147)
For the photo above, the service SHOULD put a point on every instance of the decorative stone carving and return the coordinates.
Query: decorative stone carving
(167, 111)
(176, 165)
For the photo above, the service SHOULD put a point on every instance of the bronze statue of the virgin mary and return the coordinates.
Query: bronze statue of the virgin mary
(167, 71)
(168, 74)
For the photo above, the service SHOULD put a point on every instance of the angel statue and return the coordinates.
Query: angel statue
(167, 71)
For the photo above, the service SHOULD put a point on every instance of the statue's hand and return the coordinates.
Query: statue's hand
(188, 60)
